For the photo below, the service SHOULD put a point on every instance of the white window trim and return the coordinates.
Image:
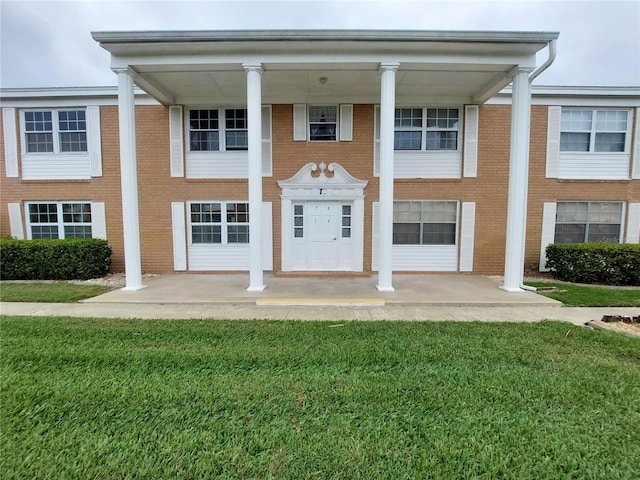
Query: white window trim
(308, 128)
(423, 201)
(588, 202)
(424, 130)
(222, 128)
(55, 121)
(60, 223)
(224, 239)
(593, 131)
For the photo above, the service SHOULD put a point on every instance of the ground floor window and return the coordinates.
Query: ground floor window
(59, 219)
(219, 222)
(425, 222)
(580, 222)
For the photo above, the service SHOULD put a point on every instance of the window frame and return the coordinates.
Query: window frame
(221, 130)
(594, 131)
(60, 222)
(588, 222)
(336, 133)
(56, 132)
(224, 223)
(424, 129)
(422, 222)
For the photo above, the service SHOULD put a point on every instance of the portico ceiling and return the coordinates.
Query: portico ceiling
(206, 68)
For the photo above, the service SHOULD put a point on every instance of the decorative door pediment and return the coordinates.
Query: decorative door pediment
(330, 181)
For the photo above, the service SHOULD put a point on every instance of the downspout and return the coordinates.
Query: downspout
(532, 77)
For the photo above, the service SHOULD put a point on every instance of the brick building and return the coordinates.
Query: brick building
(344, 152)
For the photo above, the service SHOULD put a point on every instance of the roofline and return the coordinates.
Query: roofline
(323, 35)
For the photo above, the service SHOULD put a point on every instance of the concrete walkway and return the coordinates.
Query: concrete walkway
(417, 298)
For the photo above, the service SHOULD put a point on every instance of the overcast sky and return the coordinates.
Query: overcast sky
(49, 44)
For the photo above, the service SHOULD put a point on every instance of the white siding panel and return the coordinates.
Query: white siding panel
(427, 165)
(376, 141)
(94, 135)
(548, 232)
(467, 236)
(179, 236)
(267, 236)
(176, 142)
(346, 123)
(267, 166)
(425, 258)
(553, 141)
(593, 166)
(635, 170)
(218, 257)
(218, 165)
(471, 118)
(10, 141)
(633, 225)
(299, 122)
(15, 220)
(98, 221)
(56, 167)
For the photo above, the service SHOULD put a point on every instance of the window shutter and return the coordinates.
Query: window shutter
(175, 141)
(633, 224)
(467, 236)
(375, 236)
(15, 221)
(471, 117)
(267, 236)
(179, 236)
(94, 135)
(10, 141)
(635, 170)
(346, 123)
(299, 122)
(267, 166)
(376, 141)
(98, 221)
(553, 141)
(548, 232)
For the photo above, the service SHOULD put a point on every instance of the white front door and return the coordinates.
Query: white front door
(322, 241)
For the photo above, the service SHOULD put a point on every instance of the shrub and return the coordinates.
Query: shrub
(73, 259)
(604, 263)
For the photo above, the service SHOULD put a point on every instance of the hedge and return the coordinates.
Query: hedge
(603, 263)
(50, 259)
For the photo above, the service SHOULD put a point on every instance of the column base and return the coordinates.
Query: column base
(133, 289)
(511, 289)
(381, 288)
(259, 288)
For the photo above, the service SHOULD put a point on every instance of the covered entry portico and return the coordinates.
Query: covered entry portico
(259, 68)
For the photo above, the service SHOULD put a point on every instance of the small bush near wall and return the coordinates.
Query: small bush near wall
(604, 263)
(73, 259)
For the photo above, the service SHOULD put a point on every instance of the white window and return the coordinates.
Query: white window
(426, 129)
(59, 219)
(428, 222)
(55, 131)
(580, 222)
(594, 130)
(220, 223)
(323, 123)
(218, 130)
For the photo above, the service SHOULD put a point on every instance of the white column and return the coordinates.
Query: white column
(129, 180)
(518, 182)
(387, 115)
(254, 117)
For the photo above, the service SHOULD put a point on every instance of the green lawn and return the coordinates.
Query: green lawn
(590, 296)
(48, 292)
(99, 398)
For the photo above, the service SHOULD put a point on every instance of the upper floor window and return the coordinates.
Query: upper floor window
(323, 123)
(426, 128)
(428, 222)
(218, 130)
(580, 222)
(593, 130)
(59, 219)
(219, 222)
(55, 131)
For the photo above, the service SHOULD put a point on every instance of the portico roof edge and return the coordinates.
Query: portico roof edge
(323, 35)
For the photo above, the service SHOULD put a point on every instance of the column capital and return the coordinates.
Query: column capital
(128, 70)
(389, 66)
(253, 67)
